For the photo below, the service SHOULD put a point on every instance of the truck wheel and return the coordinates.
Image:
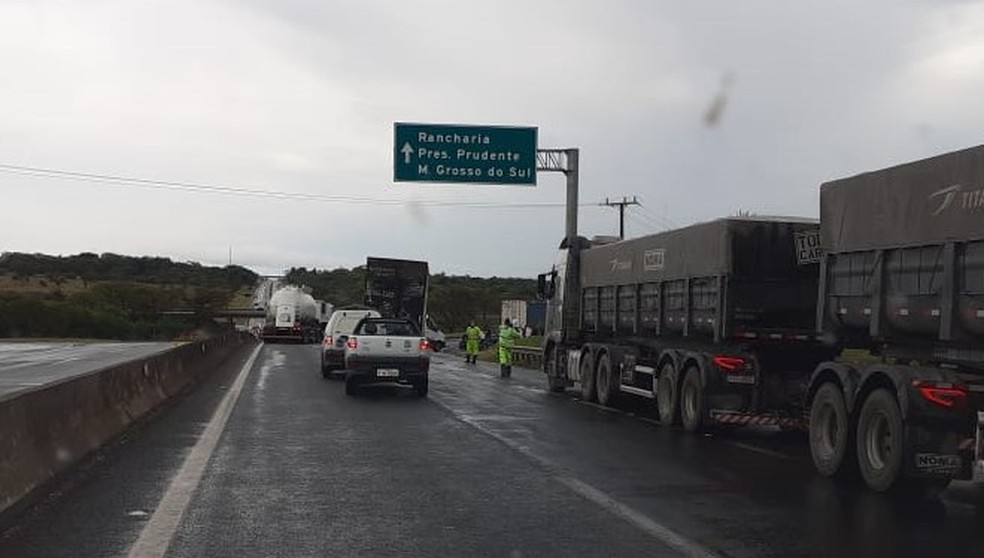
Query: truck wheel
(350, 387)
(692, 408)
(606, 382)
(829, 430)
(588, 392)
(879, 441)
(556, 384)
(666, 395)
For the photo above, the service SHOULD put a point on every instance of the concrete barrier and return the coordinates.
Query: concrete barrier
(47, 430)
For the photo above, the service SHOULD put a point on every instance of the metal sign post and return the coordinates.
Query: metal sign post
(566, 161)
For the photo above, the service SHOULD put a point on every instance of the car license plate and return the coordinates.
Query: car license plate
(387, 373)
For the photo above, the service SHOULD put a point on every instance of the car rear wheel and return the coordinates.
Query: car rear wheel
(829, 430)
(879, 441)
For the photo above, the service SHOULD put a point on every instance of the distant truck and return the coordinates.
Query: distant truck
(522, 313)
(292, 315)
(514, 311)
(738, 321)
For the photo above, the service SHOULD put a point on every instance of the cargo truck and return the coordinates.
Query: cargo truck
(292, 315)
(753, 321)
(398, 289)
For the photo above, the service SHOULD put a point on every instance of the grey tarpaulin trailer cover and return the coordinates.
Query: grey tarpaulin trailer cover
(904, 262)
(708, 280)
(920, 203)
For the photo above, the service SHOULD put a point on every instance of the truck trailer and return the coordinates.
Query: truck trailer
(398, 289)
(291, 316)
(754, 321)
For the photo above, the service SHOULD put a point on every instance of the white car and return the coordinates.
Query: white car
(337, 331)
(387, 351)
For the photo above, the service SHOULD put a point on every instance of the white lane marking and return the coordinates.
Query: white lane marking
(655, 529)
(666, 535)
(756, 449)
(156, 536)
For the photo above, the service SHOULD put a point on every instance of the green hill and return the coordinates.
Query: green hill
(111, 296)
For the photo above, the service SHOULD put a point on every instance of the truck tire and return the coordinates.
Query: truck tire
(880, 441)
(606, 381)
(555, 383)
(350, 387)
(692, 407)
(667, 395)
(830, 431)
(588, 391)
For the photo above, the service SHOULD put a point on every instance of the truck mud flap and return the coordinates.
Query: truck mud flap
(932, 453)
(734, 418)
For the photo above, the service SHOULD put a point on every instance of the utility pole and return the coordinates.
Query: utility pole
(621, 205)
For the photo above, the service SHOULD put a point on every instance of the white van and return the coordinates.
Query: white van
(341, 324)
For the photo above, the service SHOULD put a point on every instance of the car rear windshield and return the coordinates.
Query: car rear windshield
(396, 328)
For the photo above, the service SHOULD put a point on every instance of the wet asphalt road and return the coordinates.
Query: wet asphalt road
(483, 467)
(27, 365)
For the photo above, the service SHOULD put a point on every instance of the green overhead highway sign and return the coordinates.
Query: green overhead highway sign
(464, 154)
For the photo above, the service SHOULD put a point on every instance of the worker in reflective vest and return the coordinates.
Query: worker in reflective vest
(507, 339)
(473, 337)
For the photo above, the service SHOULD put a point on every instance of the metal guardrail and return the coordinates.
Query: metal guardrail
(528, 355)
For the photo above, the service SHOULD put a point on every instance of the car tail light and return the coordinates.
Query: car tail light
(424, 344)
(942, 394)
(328, 341)
(353, 343)
(730, 363)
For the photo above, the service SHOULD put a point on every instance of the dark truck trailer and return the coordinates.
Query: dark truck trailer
(714, 321)
(398, 289)
(903, 276)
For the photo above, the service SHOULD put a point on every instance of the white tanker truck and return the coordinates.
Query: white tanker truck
(292, 315)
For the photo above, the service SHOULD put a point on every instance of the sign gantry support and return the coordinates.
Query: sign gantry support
(565, 161)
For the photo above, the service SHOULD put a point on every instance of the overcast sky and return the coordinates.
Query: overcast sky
(301, 96)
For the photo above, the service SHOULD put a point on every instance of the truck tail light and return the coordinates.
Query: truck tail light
(353, 343)
(425, 345)
(328, 341)
(730, 363)
(942, 394)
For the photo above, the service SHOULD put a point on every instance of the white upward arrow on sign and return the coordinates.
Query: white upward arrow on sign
(407, 150)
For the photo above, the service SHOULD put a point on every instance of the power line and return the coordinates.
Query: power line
(666, 223)
(646, 222)
(155, 184)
